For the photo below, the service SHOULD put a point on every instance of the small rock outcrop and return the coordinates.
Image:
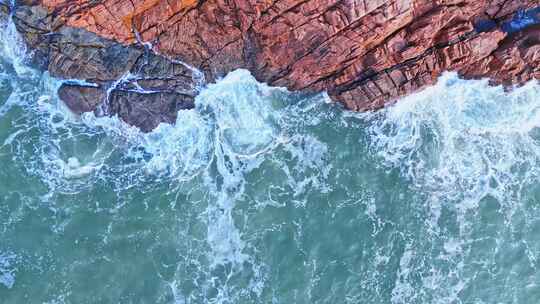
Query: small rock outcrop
(140, 58)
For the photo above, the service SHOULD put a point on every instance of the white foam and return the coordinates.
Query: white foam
(461, 134)
(459, 142)
(13, 48)
(224, 138)
(7, 269)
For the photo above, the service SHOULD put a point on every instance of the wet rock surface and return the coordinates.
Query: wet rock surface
(106, 77)
(364, 53)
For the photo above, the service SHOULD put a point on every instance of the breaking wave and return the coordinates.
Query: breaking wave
(473, 150)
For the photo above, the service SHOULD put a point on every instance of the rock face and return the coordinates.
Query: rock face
(365, 53)
(104, 76)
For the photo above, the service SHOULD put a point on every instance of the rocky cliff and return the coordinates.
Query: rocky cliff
(146, 59)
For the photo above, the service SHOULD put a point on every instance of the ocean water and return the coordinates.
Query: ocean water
(260, 195)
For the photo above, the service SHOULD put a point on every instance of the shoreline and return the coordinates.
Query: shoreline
(142, 81)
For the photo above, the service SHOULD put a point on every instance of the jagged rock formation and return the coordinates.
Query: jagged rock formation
(365, 53)
(143, 88)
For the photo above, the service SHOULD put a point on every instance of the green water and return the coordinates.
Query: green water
(264, 196)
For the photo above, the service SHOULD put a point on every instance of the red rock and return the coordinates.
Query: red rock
(365, 53)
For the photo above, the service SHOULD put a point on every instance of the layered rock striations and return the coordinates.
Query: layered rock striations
(146, 59)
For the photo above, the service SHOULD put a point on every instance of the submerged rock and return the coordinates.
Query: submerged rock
(364, 53)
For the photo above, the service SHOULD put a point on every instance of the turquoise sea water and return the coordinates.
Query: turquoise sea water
(260, 195)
